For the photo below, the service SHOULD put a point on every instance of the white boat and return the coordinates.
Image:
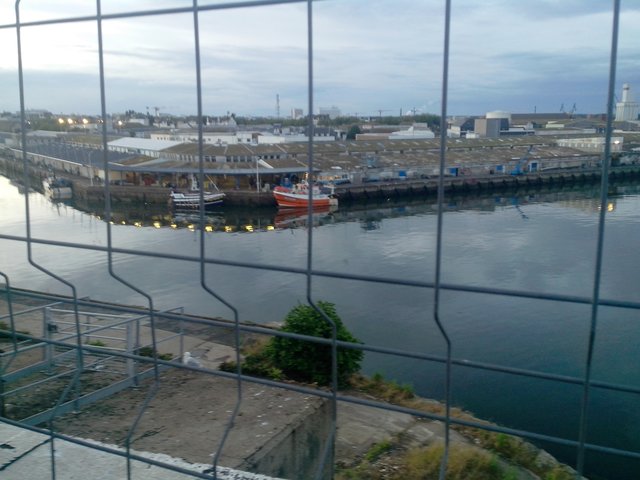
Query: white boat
(191, 199)
(57, 188)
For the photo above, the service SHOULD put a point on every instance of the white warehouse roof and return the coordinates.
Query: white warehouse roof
(133, 143)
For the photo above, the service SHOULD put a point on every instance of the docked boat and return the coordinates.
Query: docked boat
(191, 199)
(298, 196)
(57, 188)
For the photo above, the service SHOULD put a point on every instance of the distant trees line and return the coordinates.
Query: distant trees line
(350, 123)
(323, 120)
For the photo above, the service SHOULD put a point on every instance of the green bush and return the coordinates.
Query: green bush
(149, 351)
(261, 365)
(310, 361)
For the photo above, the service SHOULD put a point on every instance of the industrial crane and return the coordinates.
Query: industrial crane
(571, 112)
(517, 170)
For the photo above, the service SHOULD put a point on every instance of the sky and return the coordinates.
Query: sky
(370, 57)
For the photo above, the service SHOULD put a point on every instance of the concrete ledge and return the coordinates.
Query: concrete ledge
(26, 454)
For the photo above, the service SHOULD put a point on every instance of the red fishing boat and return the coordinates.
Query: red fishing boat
(298, 196)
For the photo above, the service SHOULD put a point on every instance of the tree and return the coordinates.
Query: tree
(310, 361)
(353, 131)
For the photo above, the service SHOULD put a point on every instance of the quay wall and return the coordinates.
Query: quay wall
(87, 192)
(298, 450)
(479, 184)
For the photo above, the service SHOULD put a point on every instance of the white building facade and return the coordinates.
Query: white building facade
(627, 109)
(593, 144)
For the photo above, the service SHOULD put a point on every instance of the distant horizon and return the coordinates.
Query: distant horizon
(368, 57)
(284, 117)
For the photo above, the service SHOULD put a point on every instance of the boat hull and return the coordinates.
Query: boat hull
(57, 189)
(286, 199)
(192, 200)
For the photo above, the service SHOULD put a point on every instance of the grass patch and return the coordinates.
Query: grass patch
(377, 450)
(519, 452)
(465, 463)
(510, 449)
(387, 390)
(151, 352)
(256, 362)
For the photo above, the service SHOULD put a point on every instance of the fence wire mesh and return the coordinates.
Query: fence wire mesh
(81, 342)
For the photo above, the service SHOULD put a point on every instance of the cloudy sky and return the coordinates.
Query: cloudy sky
(370, 56)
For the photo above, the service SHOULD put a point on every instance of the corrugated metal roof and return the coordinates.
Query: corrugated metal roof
(350, 155)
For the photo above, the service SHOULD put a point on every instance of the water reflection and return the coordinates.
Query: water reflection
(370, 215)
(229, 219)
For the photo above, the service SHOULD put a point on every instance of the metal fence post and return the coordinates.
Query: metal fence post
(181, 339)
(47, 326)
(88, 327)
(131, 348)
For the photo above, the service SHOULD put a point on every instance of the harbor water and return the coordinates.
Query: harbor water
(536, 242)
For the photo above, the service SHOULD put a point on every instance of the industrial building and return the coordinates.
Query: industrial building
(238, 166)
(627, 109)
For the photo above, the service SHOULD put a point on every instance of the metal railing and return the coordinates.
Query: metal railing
(103, 335)
(202, 261)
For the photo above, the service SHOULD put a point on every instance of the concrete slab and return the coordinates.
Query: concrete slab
(360, 427)
(16, 443)
(26, 454)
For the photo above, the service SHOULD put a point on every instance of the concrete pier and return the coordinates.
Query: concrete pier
(477, 184)
(373, 190)
(86, 192)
